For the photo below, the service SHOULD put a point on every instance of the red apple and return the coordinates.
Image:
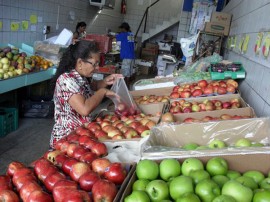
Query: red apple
(60, 159)
(99, 165)
(101, 135)
(104, 190)
(79, 151)
(187, 110)
(93, 126)
(39, 196)
(88, 157)
(73, 138)
(5, 182)
(185, 94)
(22, 172)
(83, 139)
(71, 148)
(41, 165)
(130, 133)
(25, 179)
(79, 129)
(61, 194)
(208, 90)
(141, 128)
(135, 124)
(189, 120)
(230, 88)
(8, 196)
(118, 137)
(120, 125)
(197, 93)
(52, 179)
(235, 105)
(202, 106)
(226, 105)
(195, 108)
(175, 88)
(114, 132)
(207, 118)
(150, 124)
(114, 118)
(66, 167)
(116, 173)
(202, 83)
(105, 123)
(99, 149)
(209, 108)
(232, 82)
(121, 107)
(63, 146)
(174, 95)
(26, 190)
(88, 179)
(89, 143)
(51, 155)
(221, 90)
(13, 166)
(225, 116)
(65, 183)
(108, 128)
(78, 169)
(124, 129)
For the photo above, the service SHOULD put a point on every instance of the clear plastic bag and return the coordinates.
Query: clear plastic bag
(126, 106)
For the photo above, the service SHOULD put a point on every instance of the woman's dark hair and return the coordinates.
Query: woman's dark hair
(80, 24)
(82, 49)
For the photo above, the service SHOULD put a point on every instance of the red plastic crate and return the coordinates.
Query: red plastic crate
(104, 42)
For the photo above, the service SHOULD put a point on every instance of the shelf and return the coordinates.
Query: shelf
(26, 80)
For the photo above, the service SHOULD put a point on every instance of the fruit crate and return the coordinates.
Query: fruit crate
(225, 74)
(37, 109)
(8, 120)
(104, 42)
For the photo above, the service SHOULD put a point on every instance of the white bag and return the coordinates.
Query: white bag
(188, 45)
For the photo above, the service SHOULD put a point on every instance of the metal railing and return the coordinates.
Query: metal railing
(144, 18)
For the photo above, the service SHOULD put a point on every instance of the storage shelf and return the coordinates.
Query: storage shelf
(26, 79)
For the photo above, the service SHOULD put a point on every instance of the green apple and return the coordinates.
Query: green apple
(147, 169)
(217, 144)
(203, 147)
(137, 196)
(233, 174)
(198, 175)
(169, 169)
(217, 166)
(247, 181)
(140, 185)
(190, 146)
(256, 175)
(243, 142)
(220, 180)
(191, 164)
(261, 196)
(188, 197)
(157, 190)
(224, 198)
(265, 183)
(181, 185)
(207, 190)
(238, 191)
(257, 144)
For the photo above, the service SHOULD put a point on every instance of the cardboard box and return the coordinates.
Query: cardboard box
(152, 46)
(158, 91)
(166, 140)
(221, 18)
(246, 111)
(217, 28)
(149, 51)
(144, 70)
(153, 108)
(238, 162)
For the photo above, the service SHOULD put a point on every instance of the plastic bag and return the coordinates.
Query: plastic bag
(126, 106)
(188, 45)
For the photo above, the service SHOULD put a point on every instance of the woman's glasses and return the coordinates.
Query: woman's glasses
(93, 64)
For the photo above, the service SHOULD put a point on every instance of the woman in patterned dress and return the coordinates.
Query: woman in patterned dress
(73, 97)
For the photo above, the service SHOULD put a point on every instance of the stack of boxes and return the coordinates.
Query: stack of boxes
(219, 23)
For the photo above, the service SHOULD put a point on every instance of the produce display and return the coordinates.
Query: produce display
(76, 171)
(183, 106)
(15, 63)
(204, 88)
(210, 118)
(192, 180)
(188, 77)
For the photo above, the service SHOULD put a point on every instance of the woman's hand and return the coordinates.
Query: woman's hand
(109, 80)
(110, 94)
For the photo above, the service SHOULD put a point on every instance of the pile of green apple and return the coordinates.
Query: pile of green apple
(193, 181)
(220, 144)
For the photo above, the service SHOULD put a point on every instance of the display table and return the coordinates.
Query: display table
(26, 80)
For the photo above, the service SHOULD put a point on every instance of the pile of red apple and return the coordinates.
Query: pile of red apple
(210, 118)
(123, 109)
(183, 106)
(194, 181)
(204, 88)
(147, 99)
(115, 129)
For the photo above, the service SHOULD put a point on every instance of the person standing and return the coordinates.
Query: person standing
(127, 53)
(80, 32)
(74, 97)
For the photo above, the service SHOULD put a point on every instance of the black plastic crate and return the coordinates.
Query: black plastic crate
(37, 109)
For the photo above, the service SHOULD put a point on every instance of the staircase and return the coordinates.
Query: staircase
(160, 27)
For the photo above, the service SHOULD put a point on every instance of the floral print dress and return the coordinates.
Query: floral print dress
(66, 118)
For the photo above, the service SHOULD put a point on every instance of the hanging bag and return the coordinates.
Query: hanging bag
(125, 106)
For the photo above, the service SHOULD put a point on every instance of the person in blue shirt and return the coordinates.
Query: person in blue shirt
(127, 53)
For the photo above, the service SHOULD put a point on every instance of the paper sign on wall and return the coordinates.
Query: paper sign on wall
(1, 25)
(14, 26)
(25, 25)
(33, 19)
(246, 42)
(229, 41)
(241, 41)
(257, 46)
(266, 46)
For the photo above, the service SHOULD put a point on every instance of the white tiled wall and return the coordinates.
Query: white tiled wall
(19, 10)
(251, 17)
